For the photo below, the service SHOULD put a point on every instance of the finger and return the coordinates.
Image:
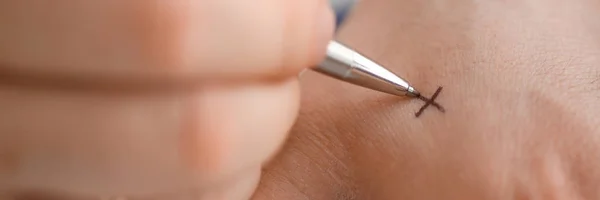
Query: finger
(113, 145)
(230, 128)
(161, 42)
(266, 38)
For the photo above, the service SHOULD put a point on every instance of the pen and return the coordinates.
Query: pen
(345, 64)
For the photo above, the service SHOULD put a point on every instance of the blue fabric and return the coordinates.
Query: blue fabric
(340, 16)
(341, 9)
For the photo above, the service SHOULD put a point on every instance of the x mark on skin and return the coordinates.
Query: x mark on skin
(431, 102)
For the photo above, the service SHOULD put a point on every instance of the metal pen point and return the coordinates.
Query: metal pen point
(350, 66)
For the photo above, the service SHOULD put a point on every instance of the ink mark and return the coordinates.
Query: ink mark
(431, 102)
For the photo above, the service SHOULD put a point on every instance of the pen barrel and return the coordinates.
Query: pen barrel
(339, 61)
(349, 66)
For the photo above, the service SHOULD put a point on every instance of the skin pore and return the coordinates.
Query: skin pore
(521, 91)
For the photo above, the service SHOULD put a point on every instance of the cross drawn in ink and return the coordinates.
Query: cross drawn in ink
(431, 102)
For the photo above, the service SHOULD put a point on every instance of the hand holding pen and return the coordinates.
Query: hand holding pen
(216, 137)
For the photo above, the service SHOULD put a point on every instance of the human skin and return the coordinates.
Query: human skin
(135, 98)
(521, 85)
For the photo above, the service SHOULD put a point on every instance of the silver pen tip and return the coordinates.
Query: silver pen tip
(412, 92)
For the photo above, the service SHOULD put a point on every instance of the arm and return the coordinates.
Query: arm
(521, 86)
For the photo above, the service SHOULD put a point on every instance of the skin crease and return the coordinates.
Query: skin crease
(521, 89)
